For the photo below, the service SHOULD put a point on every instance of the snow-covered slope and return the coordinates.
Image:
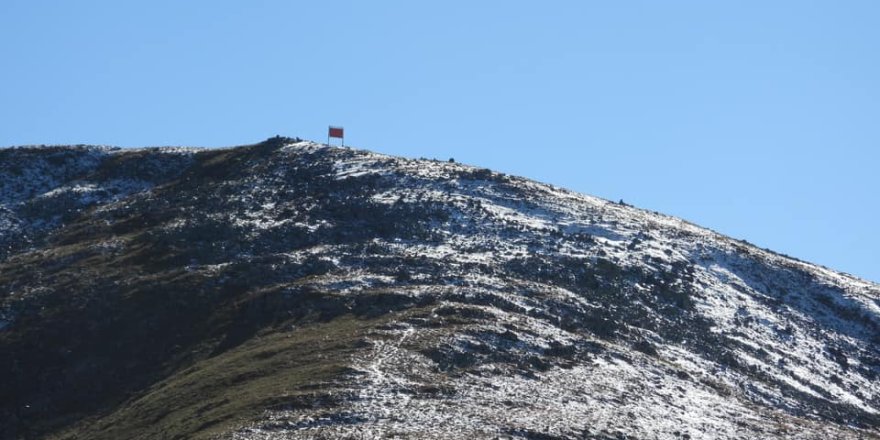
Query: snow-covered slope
(487, 305)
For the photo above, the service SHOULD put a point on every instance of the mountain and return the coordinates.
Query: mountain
(290, 290)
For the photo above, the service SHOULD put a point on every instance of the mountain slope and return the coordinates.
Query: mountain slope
(292, 290)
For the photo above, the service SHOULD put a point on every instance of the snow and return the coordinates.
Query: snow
(640, 397)
(780, 318)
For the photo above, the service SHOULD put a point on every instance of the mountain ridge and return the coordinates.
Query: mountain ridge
(462, 301)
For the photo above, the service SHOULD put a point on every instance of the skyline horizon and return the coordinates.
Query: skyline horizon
(745, 240)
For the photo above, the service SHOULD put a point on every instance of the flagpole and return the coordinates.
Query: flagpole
(335, 132)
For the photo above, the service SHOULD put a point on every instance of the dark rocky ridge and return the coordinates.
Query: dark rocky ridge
(290, 290)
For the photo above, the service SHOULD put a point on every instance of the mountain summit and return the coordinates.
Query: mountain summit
(291, 290)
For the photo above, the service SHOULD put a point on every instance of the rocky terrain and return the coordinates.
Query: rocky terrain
(289, 290)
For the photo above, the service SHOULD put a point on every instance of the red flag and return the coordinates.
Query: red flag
(336, 132)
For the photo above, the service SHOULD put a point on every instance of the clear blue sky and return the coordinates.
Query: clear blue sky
(759, 119)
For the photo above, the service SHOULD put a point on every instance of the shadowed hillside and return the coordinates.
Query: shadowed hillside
(292, 290)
